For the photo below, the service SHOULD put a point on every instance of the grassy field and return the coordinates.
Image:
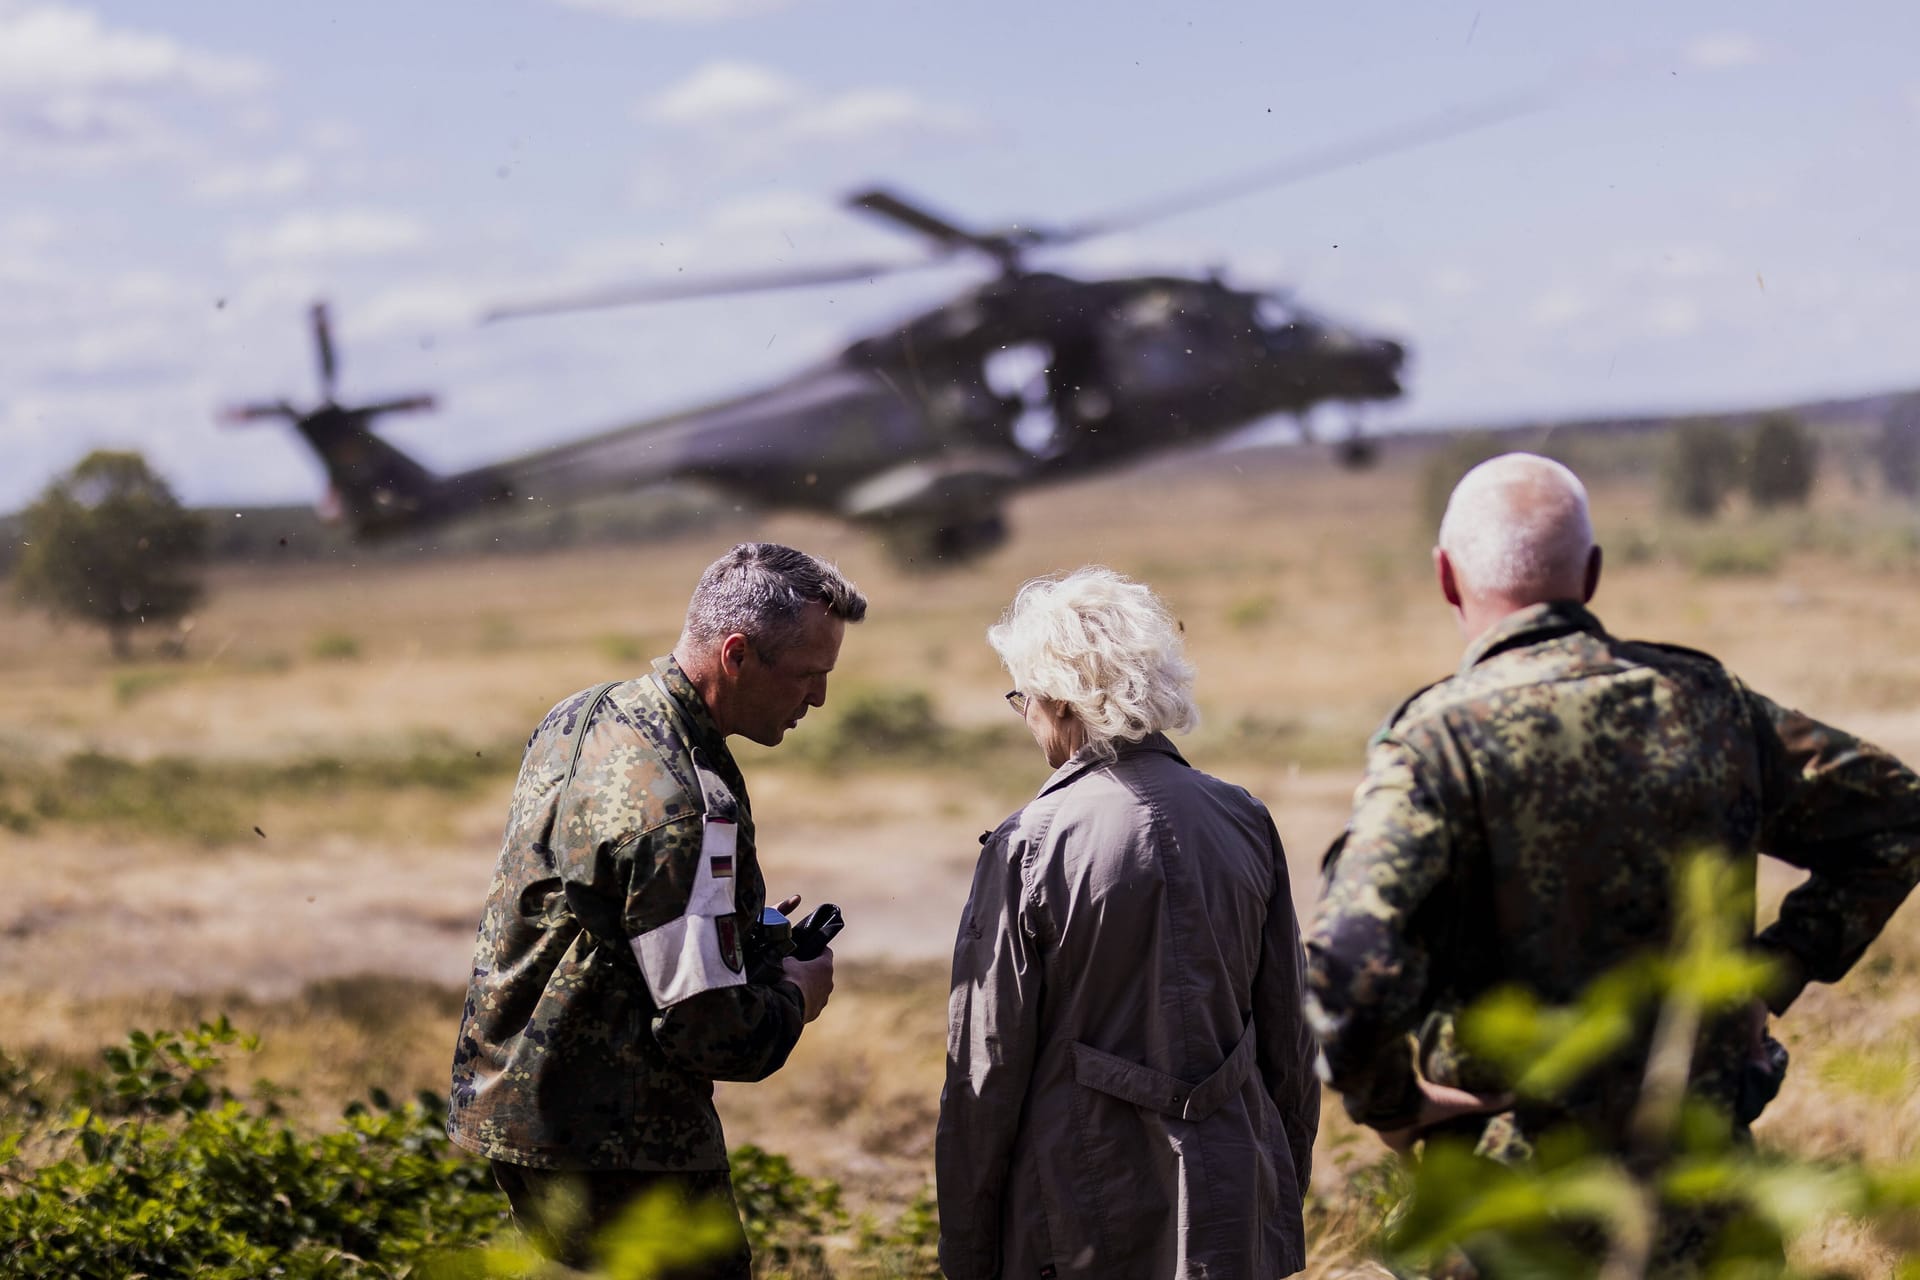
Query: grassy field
(296, 822)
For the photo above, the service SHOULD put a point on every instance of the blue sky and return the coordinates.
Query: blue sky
(1713, 207)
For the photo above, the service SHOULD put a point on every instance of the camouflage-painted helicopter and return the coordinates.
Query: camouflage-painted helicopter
(923, 431)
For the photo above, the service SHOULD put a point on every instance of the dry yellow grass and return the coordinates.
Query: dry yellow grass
(343, 934)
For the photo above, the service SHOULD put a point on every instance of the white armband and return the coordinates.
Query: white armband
(701, 950)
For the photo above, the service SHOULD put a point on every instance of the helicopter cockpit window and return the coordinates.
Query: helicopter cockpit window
(1164, 342)
(1285, 325)
(1019, 374)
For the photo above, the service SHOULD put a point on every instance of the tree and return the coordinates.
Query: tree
(1699, 470)
(109, 544)
(1781, 462)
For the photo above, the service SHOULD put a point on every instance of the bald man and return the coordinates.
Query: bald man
(1519, 822)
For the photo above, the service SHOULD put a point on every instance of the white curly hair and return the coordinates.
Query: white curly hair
(1104, 645)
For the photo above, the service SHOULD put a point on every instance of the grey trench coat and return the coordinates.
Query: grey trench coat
(1130, 1086)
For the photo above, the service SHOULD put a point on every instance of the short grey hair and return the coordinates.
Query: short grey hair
(1104, 645)
(760, 590)
(1517, 526)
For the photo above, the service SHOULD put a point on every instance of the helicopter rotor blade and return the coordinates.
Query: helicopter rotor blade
(405, 404)
(1446, 124)
(239, 415)
(323, 346)
(885, 204)
(704, 287)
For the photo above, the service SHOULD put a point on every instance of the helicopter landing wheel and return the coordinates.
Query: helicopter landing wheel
(1357, 452)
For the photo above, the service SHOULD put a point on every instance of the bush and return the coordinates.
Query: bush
(1781, 461)
(1752, 556)
(161, 1171)
(785, 1212)
(1249, 613)
(131, 686)
(617, 647)
(1589, 1203)
(890, 720)
(334, 646)
(873, 725)
(1699, 469)
(153, 1166)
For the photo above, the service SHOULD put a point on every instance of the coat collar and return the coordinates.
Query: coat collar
(1086, 759)
(1532, 625)
(703, 733)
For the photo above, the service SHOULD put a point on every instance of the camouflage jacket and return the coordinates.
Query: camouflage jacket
(610, 982)
(1518, 822)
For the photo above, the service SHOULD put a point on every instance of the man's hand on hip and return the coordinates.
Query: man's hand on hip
(814, 978)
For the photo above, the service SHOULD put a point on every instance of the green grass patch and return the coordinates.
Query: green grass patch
(620, 648)
(1287, 740)
(130, 687)
(1883, 1074)
(207, 801)
(880, 727)
(1729, 555)
(333, 646)
(1251, 612)
(497, 634)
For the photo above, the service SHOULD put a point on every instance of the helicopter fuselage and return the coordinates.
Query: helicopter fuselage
(1027, 379)
(925, 430)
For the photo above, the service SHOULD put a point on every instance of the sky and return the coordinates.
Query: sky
(1712, 205)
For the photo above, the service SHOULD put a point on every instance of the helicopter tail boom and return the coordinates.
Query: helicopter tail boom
(380, 490)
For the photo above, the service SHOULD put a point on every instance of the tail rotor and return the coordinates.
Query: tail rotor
(373, 485)
(323, 349)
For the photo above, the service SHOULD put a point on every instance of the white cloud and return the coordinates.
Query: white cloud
(27, 229)
(780, 210)
(422, 306)
(722, 91)
(762, 111)
(333, 135)
(867, 113)
(767, 230)
(1723, 50)
(1560, 307)
(687, 11)
(55, 48)
(1672, 318)
(349, 233)
(77, 131)
(1454, 282)
(1692, 262)
(282, 176)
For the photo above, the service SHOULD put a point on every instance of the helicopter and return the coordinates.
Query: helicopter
(922, 432)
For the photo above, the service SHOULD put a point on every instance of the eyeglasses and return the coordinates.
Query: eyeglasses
(1018, 701)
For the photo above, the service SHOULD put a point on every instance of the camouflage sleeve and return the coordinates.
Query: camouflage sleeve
(680, 921)
(1849, 814)
(1367, 965)
(992, 1029)
(1286, 1044)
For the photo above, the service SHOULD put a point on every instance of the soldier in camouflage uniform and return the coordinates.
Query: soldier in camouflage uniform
(1519, 823)
(614, 978)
